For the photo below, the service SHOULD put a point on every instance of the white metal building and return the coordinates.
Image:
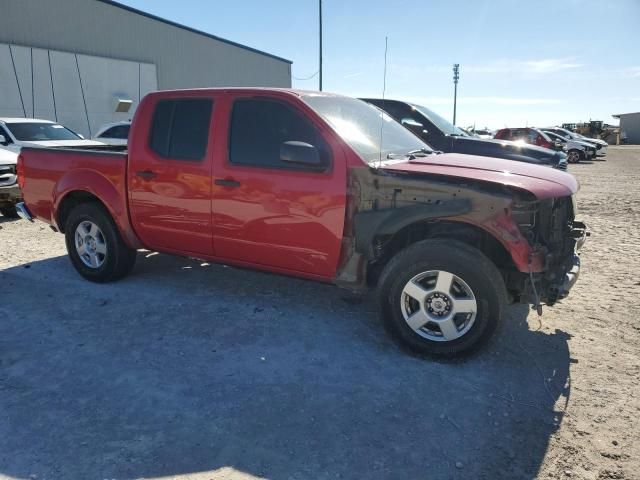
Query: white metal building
(84, 63)
(629, 127)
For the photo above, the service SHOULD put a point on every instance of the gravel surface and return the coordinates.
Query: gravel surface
(195, 371)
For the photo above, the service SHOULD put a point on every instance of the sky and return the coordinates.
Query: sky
(522, 63)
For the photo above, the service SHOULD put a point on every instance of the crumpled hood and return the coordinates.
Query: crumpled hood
(543, 182)
(62, 143)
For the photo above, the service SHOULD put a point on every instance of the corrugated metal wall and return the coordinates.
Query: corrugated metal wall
(630, 127)
(183, 58)
(79, 91)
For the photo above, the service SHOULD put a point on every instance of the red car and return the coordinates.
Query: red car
(527, 135)
(304, 184)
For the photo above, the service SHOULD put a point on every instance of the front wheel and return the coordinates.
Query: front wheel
(95, 246)
(441, 297)
(574, 156)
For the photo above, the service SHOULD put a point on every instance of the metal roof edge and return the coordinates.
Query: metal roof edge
(192, 30)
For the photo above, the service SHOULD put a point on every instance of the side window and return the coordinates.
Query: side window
(259, 127)
(120, 132)
(180, 128)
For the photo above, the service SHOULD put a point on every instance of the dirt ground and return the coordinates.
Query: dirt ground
(193, 371)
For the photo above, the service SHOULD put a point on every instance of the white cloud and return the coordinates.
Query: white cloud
(550, 65)
(633, 71)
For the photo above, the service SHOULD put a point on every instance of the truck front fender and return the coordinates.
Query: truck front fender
(373, 223)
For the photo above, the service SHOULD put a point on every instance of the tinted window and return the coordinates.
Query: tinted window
(180, 128)
(120, 132)
(40, 132)
(259, 127)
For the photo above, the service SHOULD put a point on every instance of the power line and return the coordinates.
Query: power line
(306, 78)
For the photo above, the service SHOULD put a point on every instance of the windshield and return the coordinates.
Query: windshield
(447, 127)
(40, 132)
(368, 130)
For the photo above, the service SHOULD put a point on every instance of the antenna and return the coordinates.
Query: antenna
(384, 90)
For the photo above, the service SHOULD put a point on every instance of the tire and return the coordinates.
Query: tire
(9, 212)
(113, 258)
(474, 278)
(574, 156)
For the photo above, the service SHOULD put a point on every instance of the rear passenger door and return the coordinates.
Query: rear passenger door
(170, 176)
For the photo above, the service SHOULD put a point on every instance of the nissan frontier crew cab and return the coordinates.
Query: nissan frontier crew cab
(323, 187)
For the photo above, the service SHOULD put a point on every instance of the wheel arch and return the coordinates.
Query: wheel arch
(101, 192)
(464, 232)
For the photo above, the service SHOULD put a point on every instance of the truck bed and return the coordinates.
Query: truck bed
(49, 173)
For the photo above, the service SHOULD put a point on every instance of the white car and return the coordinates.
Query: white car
(9, 190)
(116, 133)
(16, 133)
(576, 150)
(601, 145)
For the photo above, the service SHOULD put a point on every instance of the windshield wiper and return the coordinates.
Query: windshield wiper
(412, 155)
(421, 152)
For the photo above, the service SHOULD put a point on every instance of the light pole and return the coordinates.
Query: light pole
(456, 77)
(320, 20)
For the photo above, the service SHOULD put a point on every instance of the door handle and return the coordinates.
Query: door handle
(146, 174)
(227, 182)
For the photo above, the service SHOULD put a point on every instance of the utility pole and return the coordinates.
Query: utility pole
(320, 19)
(456, 77)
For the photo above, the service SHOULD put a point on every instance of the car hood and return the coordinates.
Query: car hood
(7, 157)
(496, 146)
(543, 182)
(61, 143)
(594, 140)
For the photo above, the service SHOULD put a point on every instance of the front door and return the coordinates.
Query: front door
(270, 212)
(170, 177)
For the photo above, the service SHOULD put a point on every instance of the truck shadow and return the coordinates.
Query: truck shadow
(187, 368)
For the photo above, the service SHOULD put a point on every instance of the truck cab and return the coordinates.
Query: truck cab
(322, 187)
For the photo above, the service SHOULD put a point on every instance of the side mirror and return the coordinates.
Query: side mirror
(3, 140)
(300, 153)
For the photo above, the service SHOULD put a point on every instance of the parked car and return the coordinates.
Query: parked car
(115, 133)
(304, 184)
(16, 133)
(9, 191)
(576, 150)
(528, 135)
(601, 145)
(482, 133)
(442, 135)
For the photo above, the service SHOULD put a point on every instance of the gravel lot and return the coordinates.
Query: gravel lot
(195, 371)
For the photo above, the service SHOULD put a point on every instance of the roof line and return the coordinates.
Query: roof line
(192, 30)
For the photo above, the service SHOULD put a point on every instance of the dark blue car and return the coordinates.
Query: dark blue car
(446, 137)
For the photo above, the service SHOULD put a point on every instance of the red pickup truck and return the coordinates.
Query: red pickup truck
(323, 187)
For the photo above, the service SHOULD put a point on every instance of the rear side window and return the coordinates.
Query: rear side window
(180, 128)
(121, 132)
(259, 127)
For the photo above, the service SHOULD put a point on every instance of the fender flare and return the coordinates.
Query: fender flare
(96, 184)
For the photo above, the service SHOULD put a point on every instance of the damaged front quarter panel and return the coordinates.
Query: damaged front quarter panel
(383, 203)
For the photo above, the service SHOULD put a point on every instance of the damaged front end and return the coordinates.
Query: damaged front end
(555, 238)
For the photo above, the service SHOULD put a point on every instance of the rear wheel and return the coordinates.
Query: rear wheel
(95, 246)
(574, 156)
(9, 212)
(441, 297)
